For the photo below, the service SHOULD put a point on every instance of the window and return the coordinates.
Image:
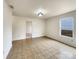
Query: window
(67, 26)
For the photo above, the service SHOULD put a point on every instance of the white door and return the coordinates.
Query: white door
(28, 29)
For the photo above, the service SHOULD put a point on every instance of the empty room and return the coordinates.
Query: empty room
(39, 29)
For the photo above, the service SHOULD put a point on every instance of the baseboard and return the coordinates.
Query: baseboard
(7, 52)
(49, 38)
(60, 42)
(28, 38)
(38, 37)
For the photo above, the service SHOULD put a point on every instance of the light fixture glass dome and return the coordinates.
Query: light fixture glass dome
(40, 12)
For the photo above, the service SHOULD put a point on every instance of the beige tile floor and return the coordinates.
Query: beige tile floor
(41, 48)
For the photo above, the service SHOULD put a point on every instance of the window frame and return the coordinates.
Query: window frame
(60, 27)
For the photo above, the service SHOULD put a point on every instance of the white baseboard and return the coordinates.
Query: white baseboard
(25, 38)
(7, 52)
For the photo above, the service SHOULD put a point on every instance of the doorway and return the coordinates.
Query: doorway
(29, 30)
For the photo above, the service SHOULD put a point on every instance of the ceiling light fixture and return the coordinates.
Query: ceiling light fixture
(40, 12)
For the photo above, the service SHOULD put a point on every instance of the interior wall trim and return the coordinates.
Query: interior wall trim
(60, 41)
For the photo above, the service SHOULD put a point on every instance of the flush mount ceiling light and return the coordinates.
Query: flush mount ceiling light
(40, 12)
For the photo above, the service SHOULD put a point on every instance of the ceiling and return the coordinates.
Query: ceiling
(26, 8)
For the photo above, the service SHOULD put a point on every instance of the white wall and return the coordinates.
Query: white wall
(53, 29)
(7, 30)
(19, 27)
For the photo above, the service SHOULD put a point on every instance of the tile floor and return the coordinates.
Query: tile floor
(41, 48)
